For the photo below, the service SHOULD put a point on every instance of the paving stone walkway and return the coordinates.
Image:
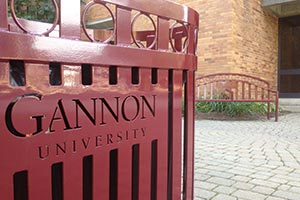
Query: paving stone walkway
(251, 160)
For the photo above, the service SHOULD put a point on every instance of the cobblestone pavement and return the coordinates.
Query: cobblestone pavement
(248, 159)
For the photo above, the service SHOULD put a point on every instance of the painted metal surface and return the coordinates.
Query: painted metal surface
(91, 120)
(235, 87)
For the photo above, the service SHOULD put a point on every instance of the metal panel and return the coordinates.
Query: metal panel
(117, 137)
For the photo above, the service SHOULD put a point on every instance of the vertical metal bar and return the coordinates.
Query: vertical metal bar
(269, 102)
(135, 170)
(188, 185)
(276, 107)
(269, 109)
(170, 135)
(153, 195)
(162, 142)
(249, 91)
(192, 41)
(31, 71)
(70, 78)
(123, 36)
(176, 136)
(236, 83)
(174, 179)
(256, 92)
(145, 170)
(124, 172)
(100, 72)
(101, 173)
(243, 90)
(4, 74)
(3, 15)
(163, 33)
(101, 160)
(123, 30)
(70, 19)
(189, 123)
(124, 77)
(211, 91)
(39, 177)
(123, 26)
(162, 150)
(6, 185)
(72, 179)
(145, 75)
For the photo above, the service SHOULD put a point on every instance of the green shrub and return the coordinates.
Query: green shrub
(234, 108)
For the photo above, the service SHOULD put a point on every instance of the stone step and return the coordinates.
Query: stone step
(289, 101)
(289, 104)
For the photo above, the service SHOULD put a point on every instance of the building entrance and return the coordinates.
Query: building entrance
(289, 57)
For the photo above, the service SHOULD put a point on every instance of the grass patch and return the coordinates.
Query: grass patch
(234, 109)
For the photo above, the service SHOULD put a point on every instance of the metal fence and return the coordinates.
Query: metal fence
(98, 119)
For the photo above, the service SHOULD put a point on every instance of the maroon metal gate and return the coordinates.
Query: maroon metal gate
(98, 120)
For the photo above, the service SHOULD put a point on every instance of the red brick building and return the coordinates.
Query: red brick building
(256, 37)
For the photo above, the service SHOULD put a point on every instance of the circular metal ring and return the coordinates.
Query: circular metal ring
(14, 16)
(138, 43)
(86, 9)
(186, 41)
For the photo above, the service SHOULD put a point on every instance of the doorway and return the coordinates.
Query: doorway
(289, 57)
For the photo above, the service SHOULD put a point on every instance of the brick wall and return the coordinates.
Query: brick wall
(236, 36)
(256, 40)
(215, 45)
